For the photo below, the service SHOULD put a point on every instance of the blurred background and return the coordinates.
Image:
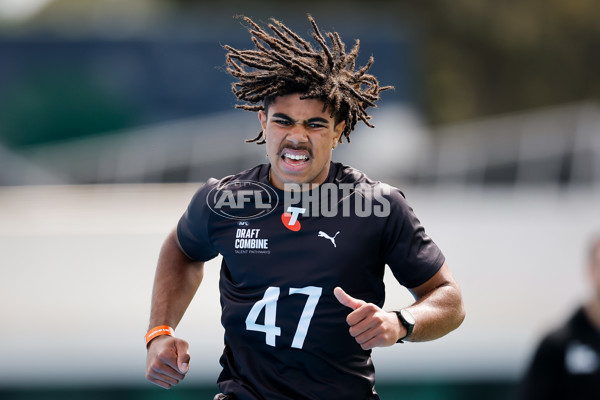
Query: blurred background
(113, 113)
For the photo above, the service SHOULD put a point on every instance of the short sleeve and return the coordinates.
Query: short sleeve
(193, 227)
(411, 255)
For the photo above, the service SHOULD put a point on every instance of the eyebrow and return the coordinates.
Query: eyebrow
(310, 120)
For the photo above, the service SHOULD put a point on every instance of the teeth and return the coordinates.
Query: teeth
(296, 157)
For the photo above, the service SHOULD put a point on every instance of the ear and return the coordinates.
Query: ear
(339, 129)
(262, 117)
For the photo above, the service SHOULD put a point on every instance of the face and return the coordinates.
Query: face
(299, 139)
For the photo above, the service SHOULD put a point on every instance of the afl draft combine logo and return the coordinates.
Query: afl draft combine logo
(242, 200)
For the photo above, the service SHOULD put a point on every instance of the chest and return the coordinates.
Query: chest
(312, 250)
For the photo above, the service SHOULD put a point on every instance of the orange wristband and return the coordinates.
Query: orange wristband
(158, 331)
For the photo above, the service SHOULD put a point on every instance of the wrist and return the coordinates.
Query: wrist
(407, 321)
(157, 331)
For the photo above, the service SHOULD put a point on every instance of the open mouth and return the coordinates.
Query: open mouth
(295, 157)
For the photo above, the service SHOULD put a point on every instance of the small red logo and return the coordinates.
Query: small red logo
(285, 218)
(290, 218)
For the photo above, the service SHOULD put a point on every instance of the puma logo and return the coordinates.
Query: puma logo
(326, 236)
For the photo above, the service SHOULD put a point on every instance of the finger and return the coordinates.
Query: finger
(347, 300)
(165, 368)
(370, 334)
(362, 327)
(156, 376)
(169, 359)
(370, 344)
(183, 357)
(375, 336)
(160, 383)
(378, 338)
(365, 313)
(162, 379)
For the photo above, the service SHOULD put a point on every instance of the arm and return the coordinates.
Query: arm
(176, 280)
(438, 310)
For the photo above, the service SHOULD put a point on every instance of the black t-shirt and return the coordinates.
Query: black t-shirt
(286, 335)
(566, 364)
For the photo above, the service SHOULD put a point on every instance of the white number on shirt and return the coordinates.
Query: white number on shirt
(269, 303)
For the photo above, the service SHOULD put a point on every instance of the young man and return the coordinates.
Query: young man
(304, 241)
(566, 364)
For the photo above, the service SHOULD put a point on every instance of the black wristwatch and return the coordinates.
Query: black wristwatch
(408, 321)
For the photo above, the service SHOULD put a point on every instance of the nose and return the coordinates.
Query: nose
(298, 134)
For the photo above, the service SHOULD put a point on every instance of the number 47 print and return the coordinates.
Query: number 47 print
(269, 303)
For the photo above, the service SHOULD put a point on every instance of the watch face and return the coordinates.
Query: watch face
(407, 317)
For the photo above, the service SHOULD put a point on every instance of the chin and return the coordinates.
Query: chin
(295, 179)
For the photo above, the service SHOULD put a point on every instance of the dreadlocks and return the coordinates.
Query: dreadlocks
(284, 63)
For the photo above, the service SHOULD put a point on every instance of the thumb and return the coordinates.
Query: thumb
(183, 357)
(346, 299)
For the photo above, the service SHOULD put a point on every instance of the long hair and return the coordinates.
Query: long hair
(284, 63)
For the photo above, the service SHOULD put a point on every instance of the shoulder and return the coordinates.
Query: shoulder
(245, 195)
(391, 198)
(256, 173)
(251, 174)
(205, 196)
(345, 174)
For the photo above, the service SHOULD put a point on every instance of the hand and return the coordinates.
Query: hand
(369, 324)
(167, 361)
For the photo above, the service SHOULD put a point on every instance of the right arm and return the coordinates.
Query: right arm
(176, 281)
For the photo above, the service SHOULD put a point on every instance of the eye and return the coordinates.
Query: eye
(315, 125)
(283, 122)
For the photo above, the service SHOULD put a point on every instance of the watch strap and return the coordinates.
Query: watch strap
(409, 325)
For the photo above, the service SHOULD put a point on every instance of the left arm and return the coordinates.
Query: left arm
(438, 310)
